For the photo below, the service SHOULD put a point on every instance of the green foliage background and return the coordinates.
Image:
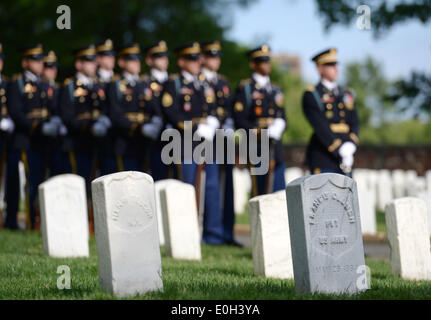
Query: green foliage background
(179, 21)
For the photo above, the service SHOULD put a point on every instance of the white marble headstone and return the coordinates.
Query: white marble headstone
(270, 236)
(293, 173)
(126, 233)
(325, 234)
(365, 196)
(407, 225)
(241, 188)
(384, 189)
(180, 221)
(64, 216)
(398, 183)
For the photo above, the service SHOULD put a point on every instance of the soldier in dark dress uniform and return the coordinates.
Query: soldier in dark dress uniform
(259, 104)
(29, 108)
(83, 110)
(57, 162)
(331, 111)
(105, 73)
(187, 98)
(211, 61)
(156, 58)
(135, 117)
(6, 128)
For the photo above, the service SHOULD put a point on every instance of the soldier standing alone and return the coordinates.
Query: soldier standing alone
(331, 111)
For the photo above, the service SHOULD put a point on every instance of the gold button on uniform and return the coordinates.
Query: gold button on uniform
(329, 106)
(128, 98)
(341, 105)
(342, 114)
(259, 102)
(82, 99)
(187, 97)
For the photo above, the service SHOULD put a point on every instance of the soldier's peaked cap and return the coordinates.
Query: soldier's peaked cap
(189, 51)
(50, 60)
(158, 49)
(34, 51)
(130, 51)
(328, 57)
(261, 53)
(212, 48)
(105, 48)
(86, 53)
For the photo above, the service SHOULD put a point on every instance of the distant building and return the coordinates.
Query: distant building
(288, 63)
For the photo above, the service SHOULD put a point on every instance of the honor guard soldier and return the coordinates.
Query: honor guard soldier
(259, 104)
(29, 108)
(186, 98)
(6, 128)
(211, 61)
(58, 160)
(331, 112)
(83, 110)
(105, 61)
(135, 117)
(156, 58)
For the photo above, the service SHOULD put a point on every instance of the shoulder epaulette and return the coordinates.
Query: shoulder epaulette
(115, 77)
(5, 78)
(16, 76)
(67, 81)
(244, 82)
(174, 76)
(310, 88)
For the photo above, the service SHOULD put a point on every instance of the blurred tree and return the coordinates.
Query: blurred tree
(370, 89)
(26, 21)
(385, 13)
(412, 95)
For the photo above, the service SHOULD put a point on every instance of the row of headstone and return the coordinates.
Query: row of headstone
(316, 236)
(127, 226)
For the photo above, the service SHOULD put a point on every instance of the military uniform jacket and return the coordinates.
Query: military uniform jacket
(223, 96)
(28, 108)
(130, 107)
(257, 108)
(80, 108)
(4, 90)
(181, 101)
(334, 120)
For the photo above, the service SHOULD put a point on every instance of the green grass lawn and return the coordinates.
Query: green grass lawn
(224, 273)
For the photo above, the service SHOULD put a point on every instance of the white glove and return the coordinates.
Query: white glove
(213, 122)
(206, 131)
(7, 125)
(229, 124)
(347, 161)
(347, 149)
(50, 129)
(105, 121)
(158, 122)
(99, 129)
(150, 130)
(276, 129)
(56, 120)
(62, 130)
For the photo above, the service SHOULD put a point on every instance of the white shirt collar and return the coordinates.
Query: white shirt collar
(161, 76)
(262, 81)
(86, 81)
(131, 78)
(105, 75)
(211, 76)
(330, 85)
(30, 76)
(188, 76)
